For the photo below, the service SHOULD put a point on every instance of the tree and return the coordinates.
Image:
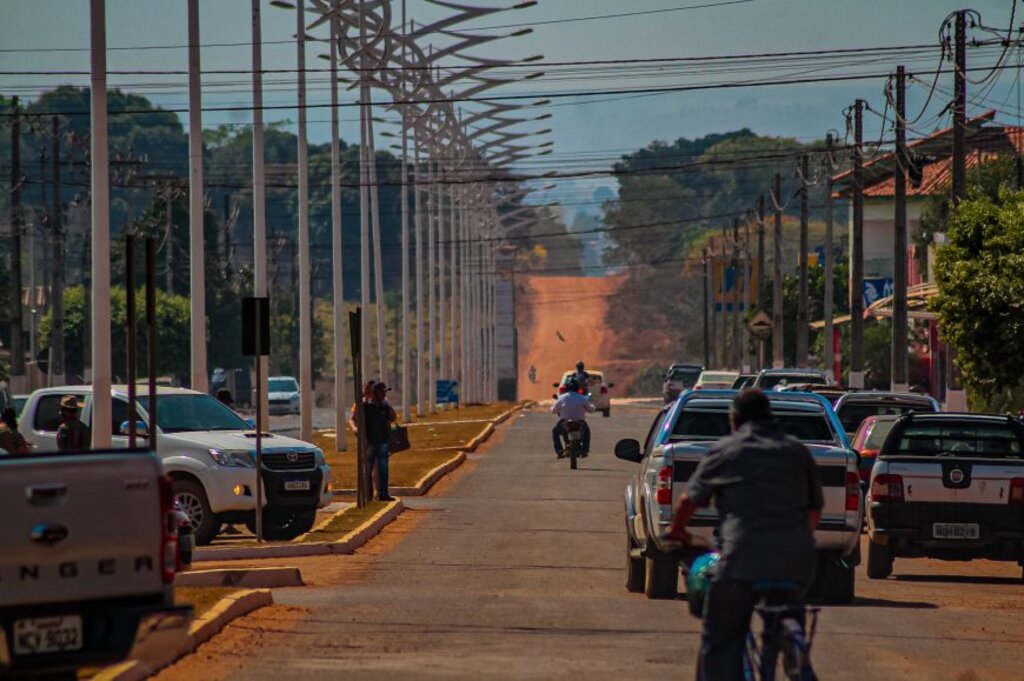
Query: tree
(980, 301)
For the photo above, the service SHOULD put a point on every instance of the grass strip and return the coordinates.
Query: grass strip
(346, 522)
(202, 598)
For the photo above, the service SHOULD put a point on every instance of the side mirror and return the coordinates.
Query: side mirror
(140, 429)
(251, 423)
(628, 450)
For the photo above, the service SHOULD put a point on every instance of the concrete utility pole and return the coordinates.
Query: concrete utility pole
(57, 235)
(404, 316)
(960, 108)
(169, 238)
(259, 207)
(899, 274)
(100, 189)
(17, 226)
(707, 312)
(736, 356)
(828, 356)
(722, 356)
(801, 310)
(337, 251)
(197, 248)
(778, 360)
(305, 269)
(857, 253)
(762, 292)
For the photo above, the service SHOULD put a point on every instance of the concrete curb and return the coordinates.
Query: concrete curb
(347, 544)
(431, 478)
(250, 578)
(321, 525)
(202, 630)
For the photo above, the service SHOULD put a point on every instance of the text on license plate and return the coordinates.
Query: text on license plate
(47, 635)
(955, 531)
(296, 485)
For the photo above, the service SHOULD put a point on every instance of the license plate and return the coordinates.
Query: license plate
(47, 635)
(296, 485)
(955, 531)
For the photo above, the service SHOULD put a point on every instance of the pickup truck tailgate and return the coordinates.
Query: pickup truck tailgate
(88, 528)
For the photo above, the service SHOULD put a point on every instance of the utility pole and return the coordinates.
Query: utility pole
(707, 320)
(17, 342)
(337, 252)
(169, 237)
(305, 269)
(857, 253)
(899, 274)
(762, 292)
(736, 356)
(801, 310)
(56, 368)
(722, 356)
(198, 376)
(828, 356)
(960, 109)
(777, 330)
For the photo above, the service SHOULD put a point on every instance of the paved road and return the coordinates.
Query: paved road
(515, 571)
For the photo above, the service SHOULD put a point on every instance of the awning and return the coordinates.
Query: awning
(837, 321)
(917, 307)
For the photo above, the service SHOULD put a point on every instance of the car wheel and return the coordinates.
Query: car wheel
(287, 525)
(192, 498)
(879, 561)
(838, 581)
(661, 575)
(635, 568)
(606, 412)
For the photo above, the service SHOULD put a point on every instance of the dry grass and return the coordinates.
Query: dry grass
(202, 599)
(346, 522)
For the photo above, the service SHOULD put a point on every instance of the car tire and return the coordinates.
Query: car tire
(606, 412)
(635, 568)
(838, 580)
(880, 561)
(661, 575)
(192, 497)
(287, 525)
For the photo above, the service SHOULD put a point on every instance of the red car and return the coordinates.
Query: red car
(868, 440)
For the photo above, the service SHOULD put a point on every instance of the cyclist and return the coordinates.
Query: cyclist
(571, 405)
(768, 497)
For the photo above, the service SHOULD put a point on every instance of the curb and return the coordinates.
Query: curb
(321, 525)
(431, 478)
(250, 578)
(202, 630)
(347, 544)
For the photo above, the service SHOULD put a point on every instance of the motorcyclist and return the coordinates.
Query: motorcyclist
(572, 405)
(581, 377)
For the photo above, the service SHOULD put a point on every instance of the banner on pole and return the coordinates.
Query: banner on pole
(733, 286)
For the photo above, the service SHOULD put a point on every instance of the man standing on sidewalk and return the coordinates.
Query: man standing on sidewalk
(378, 415)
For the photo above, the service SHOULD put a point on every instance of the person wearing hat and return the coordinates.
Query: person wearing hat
(72, 435)
(378, 415)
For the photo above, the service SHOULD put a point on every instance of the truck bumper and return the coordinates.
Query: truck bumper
(112, 631)
(907, 529)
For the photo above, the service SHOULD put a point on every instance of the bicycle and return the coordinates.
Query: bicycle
(785, 641)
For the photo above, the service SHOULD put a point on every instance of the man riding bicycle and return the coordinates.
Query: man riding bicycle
(571, 406)
(766, 490)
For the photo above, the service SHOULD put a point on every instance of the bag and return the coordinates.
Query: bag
(398, 440)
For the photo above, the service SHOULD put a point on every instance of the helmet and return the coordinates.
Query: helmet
(698, 581)
(579, 365)
(571, 385)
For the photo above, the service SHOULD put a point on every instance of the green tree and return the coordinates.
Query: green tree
(980, 302)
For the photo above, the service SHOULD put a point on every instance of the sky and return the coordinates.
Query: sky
(588, 132)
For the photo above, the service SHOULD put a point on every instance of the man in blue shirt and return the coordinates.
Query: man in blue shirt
(571, 406)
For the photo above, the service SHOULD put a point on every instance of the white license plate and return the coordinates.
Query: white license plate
(296, 485)
(47, 635)
(955, 531)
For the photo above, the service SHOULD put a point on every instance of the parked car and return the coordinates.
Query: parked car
(947, 486)
(830, 392)
(716, 380)
(867, 442)
(599, 395)
(681, 436)
(88, 541)
(854, 407)
(18, 402)
(678, 378)
(743, 381)
(775, 379)
(209, 453)
(283, 395)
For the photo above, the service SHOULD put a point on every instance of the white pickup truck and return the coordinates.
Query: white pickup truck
(681, 436)
(209, 453)
(87, 562)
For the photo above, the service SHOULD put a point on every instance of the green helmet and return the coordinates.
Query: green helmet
(698, 581)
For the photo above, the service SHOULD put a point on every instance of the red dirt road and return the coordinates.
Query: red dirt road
(560, 321)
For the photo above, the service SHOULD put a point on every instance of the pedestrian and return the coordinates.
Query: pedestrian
(378, 415)
(224, 397)
(366, 397)
(11, 441)
(72, 435)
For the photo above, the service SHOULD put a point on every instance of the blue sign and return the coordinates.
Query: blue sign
(445, 393)
(875, 289)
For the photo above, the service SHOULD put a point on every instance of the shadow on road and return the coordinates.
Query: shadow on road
(959, 579)
(886, 603)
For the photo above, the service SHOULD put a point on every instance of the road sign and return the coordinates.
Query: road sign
(732, 285)
(760, 325)
(445, 392)
(875, 289)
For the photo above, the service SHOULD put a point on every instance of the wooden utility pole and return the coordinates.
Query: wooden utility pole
(828, 356)
(762, 293)
(899, 274)
(169, 237)
(801, 311)
(857, 253)
(960, 108)
(736, 356)
(57, 236)
(17, 342)
(707, 320)
(777, 330)
(722, 356)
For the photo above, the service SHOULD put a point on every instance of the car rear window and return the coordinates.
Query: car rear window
(987, 440)
(852, 414)
(705, 424)
(769, 381)
(687, 376)
(879, 431)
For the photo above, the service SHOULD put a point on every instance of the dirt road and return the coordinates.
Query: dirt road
(561, 320)
(514, 570)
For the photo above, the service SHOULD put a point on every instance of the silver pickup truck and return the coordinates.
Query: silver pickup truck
(682, 434)
(947, 486)
(87, 562)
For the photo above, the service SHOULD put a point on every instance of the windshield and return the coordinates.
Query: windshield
(852, 414)
(687, 376)
(769, 381)
(992, 440)
(282, 385)
(187, 412)
(879, 431)
(705, 424)
(718, 378)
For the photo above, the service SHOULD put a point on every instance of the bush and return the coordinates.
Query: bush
(649, 380)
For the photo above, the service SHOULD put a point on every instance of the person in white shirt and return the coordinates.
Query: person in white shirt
(572, 406)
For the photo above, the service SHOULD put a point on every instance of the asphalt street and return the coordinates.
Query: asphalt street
(515, 570)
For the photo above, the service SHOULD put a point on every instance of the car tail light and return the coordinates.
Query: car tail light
(867, 462)
(887, 487)
(604, 390)
(664, 495)
(852, 491)
(168, 534)
(1017, 491)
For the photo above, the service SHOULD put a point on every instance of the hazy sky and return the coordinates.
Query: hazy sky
(586, 131)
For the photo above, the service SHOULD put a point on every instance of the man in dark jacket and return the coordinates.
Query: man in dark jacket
(378, 416)
(72, 435)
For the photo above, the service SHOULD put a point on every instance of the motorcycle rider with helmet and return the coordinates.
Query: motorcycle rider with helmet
(572, 405)
(581, 377)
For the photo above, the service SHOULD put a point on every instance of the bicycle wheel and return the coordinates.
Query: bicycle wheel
(795, 663)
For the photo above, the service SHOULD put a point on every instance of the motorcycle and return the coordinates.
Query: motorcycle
(574, 450)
